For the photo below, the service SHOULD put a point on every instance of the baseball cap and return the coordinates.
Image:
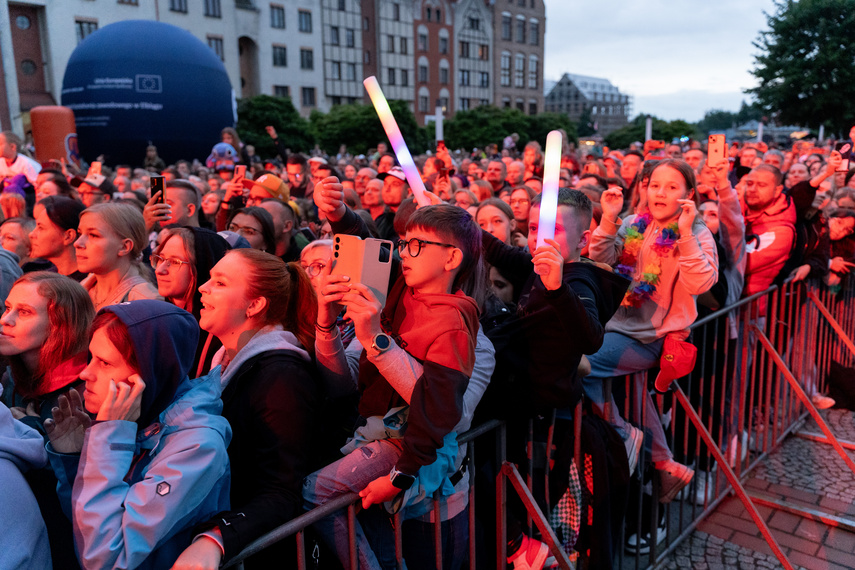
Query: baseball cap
(318, 159)
(677, 360)
(272, 184)
(94, 180)
(395, 171)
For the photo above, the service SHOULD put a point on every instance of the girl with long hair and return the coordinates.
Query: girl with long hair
(263, 311)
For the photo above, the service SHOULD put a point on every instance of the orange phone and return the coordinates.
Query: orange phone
(716, 149)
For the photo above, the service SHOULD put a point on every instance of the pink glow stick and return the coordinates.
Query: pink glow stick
(398, 145)
(549, 196)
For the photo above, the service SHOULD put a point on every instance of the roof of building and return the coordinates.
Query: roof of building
(587, 84)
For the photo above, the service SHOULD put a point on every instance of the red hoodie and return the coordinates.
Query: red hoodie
(440, 331)
(769, 238)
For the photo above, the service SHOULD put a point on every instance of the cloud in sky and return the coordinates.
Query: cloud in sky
(677, 58)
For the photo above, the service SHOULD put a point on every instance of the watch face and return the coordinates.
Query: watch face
(382, 342)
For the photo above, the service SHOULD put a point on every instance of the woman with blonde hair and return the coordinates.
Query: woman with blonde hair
(112, 237)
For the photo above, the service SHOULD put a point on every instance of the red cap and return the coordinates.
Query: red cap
(677, 360)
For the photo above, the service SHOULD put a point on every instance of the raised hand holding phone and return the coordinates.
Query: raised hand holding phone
(156, 209)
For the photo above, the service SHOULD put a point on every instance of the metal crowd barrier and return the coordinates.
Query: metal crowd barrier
(756, 359)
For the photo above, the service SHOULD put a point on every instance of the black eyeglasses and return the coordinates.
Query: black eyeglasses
(414, 245)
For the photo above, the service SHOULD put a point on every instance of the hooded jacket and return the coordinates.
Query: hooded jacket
(770, 236)
(140, 487)
(23, 536)
(209, 249)
(270, 397)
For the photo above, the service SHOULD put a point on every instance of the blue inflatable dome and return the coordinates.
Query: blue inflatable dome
(137, 81)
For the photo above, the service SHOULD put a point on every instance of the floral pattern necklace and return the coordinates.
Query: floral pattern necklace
(649, 278)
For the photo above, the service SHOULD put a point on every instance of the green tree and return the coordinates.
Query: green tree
(662, 130)
(541, 124)
(585, 126)
(485, 125)
(255, 113)
(716, 120)
(359, 127)
(804, 69)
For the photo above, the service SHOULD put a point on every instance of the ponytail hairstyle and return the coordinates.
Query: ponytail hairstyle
(125, 221)
(291, 299)
(70, 314)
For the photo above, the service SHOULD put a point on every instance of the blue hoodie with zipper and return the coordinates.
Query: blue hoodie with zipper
(138, 488)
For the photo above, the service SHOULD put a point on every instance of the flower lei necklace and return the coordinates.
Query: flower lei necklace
(649, 277)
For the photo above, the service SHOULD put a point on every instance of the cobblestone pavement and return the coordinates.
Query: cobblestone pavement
(802, 473)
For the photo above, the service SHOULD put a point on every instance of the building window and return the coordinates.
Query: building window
(308, 97)
(84, 28)
(532, 72)
(213, 9)
(521, 105)
(521, 31)
(423, 100)
(443, 45)
(178, 6)
(534, 33)
(277, 17)
(519, 71)
(443, 102)
(366, 23)
(506, 70)
(405, 78)
(305, 22)
(506, 27)
(485, 79)
(336, 100)
(484, 102)
(334, 40)
(366, 57)
(349, 38)
(423, 74)
(391, 76)
(281, 90)
(390, 44)
(428, 12)
(351, 71)
(404, 47)
(474, 24)
(341, 6)
(307, 59)
(131, 2)
(464, 77)
(532, 108)
(484, 52)
(216, 44)
(335, 70)
(396, 12)
(464, 104)
(464, 49)
(280, 56)
(423, 42)
(438, 15)
(443, 75)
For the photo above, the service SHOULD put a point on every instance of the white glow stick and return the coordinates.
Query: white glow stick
(549, 196)
(405, 159)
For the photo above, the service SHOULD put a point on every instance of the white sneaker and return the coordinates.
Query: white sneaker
(636, 545)
(704, 487)
(633, 444)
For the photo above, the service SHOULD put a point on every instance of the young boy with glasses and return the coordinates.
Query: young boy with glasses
(413, 373)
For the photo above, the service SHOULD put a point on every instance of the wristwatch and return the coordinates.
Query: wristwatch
(401, 480)
(381, 343)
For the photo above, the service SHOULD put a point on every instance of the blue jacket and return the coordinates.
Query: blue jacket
(136, 493)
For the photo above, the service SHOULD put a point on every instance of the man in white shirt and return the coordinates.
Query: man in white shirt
(13, 163)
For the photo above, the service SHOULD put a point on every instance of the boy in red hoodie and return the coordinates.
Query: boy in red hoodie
(428, 323)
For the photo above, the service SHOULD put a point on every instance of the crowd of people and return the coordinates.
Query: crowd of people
(186, 371)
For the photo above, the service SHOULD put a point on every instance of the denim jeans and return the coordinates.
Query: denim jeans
(621, 355)
(352, 473)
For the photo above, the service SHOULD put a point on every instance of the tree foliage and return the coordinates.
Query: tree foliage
(359, 127)
(805, 69)
(662, 130)
(255, 113)
(487, 124)
(719, 120)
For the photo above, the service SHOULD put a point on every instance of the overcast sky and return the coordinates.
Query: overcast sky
(677, 58)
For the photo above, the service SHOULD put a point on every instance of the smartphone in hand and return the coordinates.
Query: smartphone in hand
(157, 186)
(845, 150)
(716, 149)
(240, 172)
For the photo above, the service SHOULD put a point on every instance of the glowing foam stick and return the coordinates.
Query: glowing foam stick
(398, 145)
(549, 196)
